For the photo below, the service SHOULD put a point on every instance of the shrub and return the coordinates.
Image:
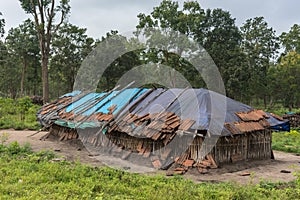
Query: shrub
(286, 141)
(18, 114)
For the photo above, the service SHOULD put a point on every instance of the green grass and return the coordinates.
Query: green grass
(277, 108)
(28, 175)
(18, 114)
(286, 141)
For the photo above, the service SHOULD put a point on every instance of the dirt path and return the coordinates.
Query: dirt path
(269, 170)
(71, 150)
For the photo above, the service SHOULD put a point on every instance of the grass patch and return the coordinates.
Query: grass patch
(28, 175)
(277, 108)
(18, 114)
(286, 141)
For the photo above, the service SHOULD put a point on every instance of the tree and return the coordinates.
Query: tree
(70, 46)
(121, 64)
(169, 18)
(222, 39)
(291, 40)
(286, 76)
(2, 24)
(9, 73)
(260, 45)
(44, 13)
(21, 42)
(2, 46)
(215, 30)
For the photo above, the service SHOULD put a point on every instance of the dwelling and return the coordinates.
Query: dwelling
(184, 126)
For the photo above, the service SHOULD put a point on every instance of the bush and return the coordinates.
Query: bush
(18, 114)
(286, 141)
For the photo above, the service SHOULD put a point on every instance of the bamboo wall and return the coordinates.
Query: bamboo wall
(249, 146)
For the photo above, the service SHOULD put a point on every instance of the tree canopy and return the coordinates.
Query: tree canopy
(45, 13)
(2, 24)
(45, 52)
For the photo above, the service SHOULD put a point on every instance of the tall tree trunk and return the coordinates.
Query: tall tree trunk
(45, 79)
(271, 102)
(35, 81)
(265, 101)
(58, 88)
(13, 91)
(23, 76)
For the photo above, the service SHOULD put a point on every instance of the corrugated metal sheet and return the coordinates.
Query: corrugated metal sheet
(245, 127)
(253, 115)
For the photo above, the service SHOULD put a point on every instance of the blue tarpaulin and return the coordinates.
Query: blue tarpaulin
(117, 98)
(71, 94)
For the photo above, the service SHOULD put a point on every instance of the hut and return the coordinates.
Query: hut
(165, 126)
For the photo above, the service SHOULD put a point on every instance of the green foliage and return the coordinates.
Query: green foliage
(3, 138)
(18, 114)
(277, 108)
(222, 39)
(46, 13)
(246, 56)
(287, 74)
(28, 175)
(260, 44)
(70, 46)
(169, 16)
(291, 39)
(2, 24)
(14, 149)
(286, 141)
(24, 51)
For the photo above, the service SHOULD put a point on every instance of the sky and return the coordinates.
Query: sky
(101, 16)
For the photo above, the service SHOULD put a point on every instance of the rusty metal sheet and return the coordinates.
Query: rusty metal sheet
(127, 117)
(112, 108)
(144, 117)
(167, 138)
(149, 132)
(156, 125)
(174, 119)
(132, 119)
(156, 136)
(231, 128)
(186, 124)
(163, 116)
(107, 117)
(188, 163)
(264, 123)
(176, 124)
(245, 127)
(156, 164)
(170, 115)
(263, 113)
(153, 115)
(254, 115)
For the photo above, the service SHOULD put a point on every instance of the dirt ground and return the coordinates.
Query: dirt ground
(268, 170)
